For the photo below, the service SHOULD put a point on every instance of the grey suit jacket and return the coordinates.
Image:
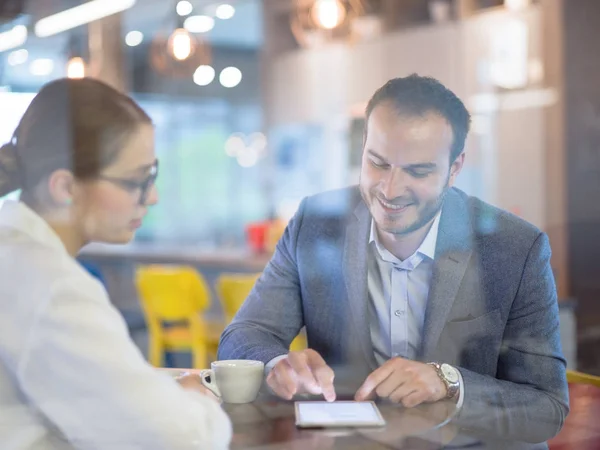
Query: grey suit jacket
(492, 309)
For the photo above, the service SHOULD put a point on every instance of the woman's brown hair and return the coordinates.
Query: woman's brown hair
(74, 124)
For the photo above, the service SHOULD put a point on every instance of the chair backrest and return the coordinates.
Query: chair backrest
(233, 289)
(582, 378)
(172, 293)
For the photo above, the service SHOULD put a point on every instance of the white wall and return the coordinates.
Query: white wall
(316, 84)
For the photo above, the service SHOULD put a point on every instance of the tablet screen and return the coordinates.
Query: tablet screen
(338, 414)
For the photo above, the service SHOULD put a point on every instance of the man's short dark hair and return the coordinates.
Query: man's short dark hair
(417, 95)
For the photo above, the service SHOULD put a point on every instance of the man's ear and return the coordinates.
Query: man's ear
(455, 168)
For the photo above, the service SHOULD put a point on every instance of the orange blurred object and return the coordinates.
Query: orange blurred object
(274, 233)
(256, 235)
(263, 236)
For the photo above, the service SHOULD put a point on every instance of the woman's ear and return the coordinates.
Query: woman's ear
(60, 187)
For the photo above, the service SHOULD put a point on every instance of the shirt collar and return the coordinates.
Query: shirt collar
(18, 216)
(427, 247)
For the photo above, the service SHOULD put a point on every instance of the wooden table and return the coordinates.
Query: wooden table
(269, 424)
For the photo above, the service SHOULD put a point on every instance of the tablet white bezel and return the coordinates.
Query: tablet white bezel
(340, 424)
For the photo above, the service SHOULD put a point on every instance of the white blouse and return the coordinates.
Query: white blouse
(70, 376)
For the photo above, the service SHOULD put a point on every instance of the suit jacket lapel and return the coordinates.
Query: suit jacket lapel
(452, 255)
(355, 277)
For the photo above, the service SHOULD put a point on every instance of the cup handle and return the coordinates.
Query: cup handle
(212, 384)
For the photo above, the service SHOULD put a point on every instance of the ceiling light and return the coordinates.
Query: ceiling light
(247, 158)
(258, 141)
(235, 145)
(225, 11)
(13, 38)
(204, 75)
(134, 38)
(328, 14)
(181, 44)
(184, 8)
(76, 68)
(18, 57)
(80, 15)
(199, 24)
(230, 77)
(41, 67)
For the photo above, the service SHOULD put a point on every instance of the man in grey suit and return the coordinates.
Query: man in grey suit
(430, 293)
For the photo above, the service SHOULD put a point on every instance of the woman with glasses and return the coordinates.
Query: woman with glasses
(70, 377)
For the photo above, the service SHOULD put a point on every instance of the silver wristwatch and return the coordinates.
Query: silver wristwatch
(449, 376)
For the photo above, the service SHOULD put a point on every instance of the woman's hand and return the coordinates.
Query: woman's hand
(192, 382)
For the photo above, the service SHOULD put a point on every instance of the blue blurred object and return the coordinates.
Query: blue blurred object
(94, 270)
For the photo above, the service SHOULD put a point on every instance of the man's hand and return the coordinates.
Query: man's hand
(404, 381)
(302, 372)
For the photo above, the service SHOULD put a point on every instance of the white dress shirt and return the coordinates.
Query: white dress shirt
(398, 293)
(70, 376)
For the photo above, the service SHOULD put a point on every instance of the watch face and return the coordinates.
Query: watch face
(450, 373)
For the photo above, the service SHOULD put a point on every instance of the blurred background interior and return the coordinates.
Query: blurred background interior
(258, 103)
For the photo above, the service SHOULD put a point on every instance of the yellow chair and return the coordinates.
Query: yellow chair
(299, 343)
(173, 299)
(582, 378)
(233, 289)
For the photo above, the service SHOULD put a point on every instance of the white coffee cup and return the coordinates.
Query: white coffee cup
(234, 381)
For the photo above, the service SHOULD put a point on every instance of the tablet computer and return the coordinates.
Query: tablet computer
(338, 414)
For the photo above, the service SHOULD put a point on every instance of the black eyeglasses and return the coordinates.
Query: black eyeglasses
(143, 187)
